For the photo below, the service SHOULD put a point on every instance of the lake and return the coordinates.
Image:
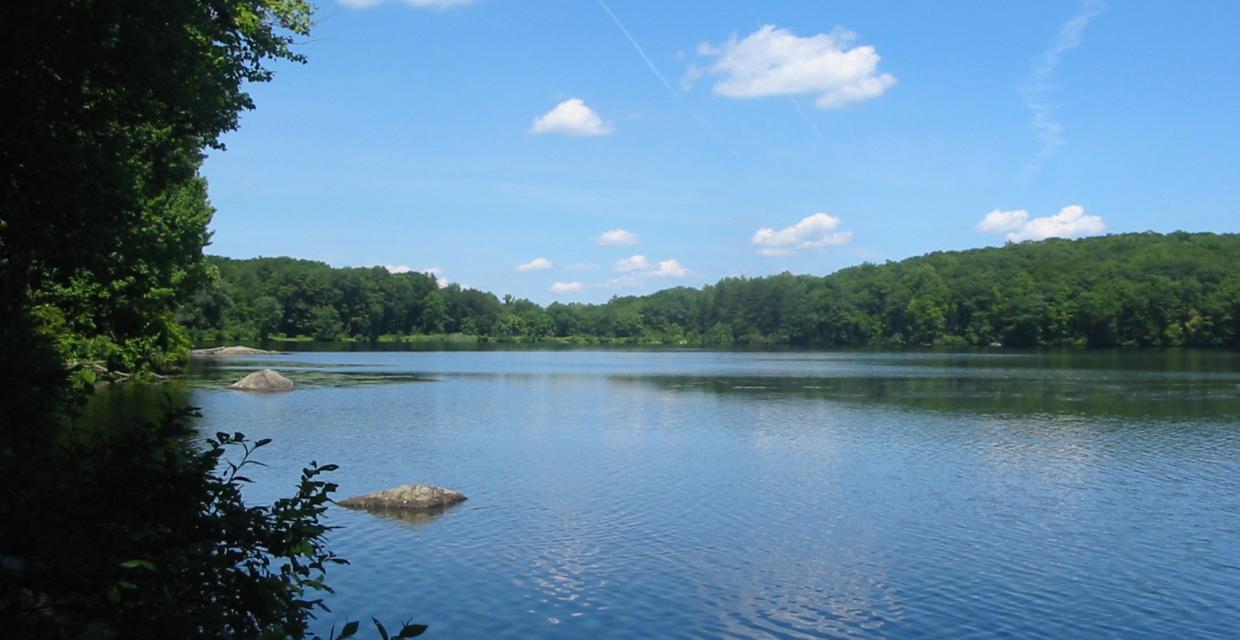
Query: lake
(702, 494)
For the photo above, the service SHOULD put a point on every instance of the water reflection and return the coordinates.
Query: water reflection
(133, 401)
(773, 495)
(417, 518)
(219, 372)
(1052, 394)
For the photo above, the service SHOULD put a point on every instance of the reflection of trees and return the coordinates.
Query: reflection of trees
(1063, 393)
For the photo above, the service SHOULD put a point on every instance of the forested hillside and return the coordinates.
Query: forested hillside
(1141, 289)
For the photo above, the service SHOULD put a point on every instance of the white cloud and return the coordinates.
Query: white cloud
(571, 118)
(421, 4)
(617, 237)
(669, 269)
(771, 62)
(633, 263)
(999, 221)
(813, 232)
(437, 272)
(430, 271)
(535, 264)
(1070, 222)
(567, 287)
(639, 267)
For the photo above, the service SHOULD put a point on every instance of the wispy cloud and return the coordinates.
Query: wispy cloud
(617, 237)
(567, 287)
(1038, 85)
(639, 267)
(571, 118)
(1070, 222)
(537, 264)
(804, 118)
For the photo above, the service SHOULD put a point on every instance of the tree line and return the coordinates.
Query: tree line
(1136, 289)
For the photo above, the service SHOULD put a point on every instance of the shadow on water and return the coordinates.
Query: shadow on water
(129, 402)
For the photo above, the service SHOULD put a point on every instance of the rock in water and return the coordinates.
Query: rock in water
(408, 497)
(265, 380)
(230, 351)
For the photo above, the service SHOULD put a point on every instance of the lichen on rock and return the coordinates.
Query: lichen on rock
(414, 497)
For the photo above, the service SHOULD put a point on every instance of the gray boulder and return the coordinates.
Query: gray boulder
(265, 380)
(408, 497)
(230, 351)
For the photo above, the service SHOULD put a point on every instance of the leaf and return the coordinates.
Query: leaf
(349, 630)
(411, 630)
(382, 631)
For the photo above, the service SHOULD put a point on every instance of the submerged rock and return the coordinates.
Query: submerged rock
(230, 351)
(265, 380)
(408, 497)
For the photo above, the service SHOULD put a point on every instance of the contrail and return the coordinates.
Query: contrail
(641, 52)
(813, 127)
(1049, 130)
(658, 74)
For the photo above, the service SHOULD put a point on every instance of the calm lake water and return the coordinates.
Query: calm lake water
(697, 494)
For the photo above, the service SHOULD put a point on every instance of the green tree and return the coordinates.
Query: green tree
(126, 530)
(435, 314)
(268, 315)
(1137, 289)
(326, 324)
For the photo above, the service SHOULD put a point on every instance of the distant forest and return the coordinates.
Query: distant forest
(1138, 289)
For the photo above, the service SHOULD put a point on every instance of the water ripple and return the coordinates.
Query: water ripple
(704, 495)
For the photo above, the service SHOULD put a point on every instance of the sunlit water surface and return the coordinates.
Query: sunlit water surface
(694, 494)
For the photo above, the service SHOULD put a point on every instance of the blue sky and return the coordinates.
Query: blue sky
(499, 141)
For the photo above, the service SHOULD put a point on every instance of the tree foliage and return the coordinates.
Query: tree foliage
(108, 105)
(183, 557)
(125, 528)
(1141, 289)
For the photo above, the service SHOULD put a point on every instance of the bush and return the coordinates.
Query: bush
(137, 532)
